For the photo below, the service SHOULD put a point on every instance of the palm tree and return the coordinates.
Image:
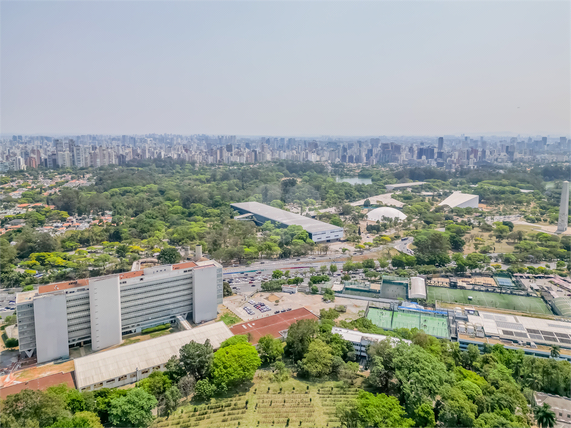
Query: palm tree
(555, 351)
(544, 416)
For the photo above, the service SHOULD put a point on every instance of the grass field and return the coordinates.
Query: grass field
(490, 300)
(292, 403)
(230, 319)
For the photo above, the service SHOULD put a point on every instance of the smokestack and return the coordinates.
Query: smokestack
(198, 252)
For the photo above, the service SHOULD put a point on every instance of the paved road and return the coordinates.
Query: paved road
(403, 244)
(242, 275)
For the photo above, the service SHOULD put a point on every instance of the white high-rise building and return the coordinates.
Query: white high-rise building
(100, 310)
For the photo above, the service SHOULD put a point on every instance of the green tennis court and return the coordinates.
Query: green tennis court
(389, 320)
(564, 305)
(490, 300)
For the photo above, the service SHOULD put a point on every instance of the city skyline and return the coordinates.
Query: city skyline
(295, 69)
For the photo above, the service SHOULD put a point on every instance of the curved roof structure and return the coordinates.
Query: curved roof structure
(417, 288)
(461, 200)
(385, 212)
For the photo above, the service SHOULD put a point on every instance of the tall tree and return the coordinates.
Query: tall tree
(234, 364)
(196, 358)
(299, 336)
(270, 349)
(133, 409)
(544, 416)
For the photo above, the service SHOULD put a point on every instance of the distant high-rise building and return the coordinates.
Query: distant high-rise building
(440, 144)
(563, 209)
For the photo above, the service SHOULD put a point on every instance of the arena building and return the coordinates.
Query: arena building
(380, 214)
(318, 231)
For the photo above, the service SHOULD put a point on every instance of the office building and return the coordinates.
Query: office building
(318, 231)
(101, 310)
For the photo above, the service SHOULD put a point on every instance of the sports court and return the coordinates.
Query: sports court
(381, 318)
(391, 320)
(489, 300)
(272, 324)
(563, 304)
(393, 291)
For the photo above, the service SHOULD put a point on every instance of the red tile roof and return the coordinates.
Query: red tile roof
(272, 324)
(132, 274)
(63, 285)
(183, 265)
(41, 383)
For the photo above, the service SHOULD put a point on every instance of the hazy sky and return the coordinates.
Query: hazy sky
(285, 68)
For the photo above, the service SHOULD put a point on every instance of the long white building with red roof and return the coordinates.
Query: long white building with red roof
(101, 310)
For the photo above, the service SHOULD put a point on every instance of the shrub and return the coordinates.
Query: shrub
(156, 328)
(11, 343)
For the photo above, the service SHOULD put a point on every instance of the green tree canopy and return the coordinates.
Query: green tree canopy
(234, 364)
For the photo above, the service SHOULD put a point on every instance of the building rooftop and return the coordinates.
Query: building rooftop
(417, 288)
(117, 362)
(385, 199)
(401, 185)
(58, 286)
(285, 217)
(522, 328)
(273, 324)
(25, 296)
(358, 337)
(41, 383)
(457, 198)
(385, 212)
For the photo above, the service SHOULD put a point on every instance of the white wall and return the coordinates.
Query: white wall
(51, 327)
(105, 310)
(205, 294)
(472, 203)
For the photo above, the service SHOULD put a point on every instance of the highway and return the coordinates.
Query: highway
(241, 275)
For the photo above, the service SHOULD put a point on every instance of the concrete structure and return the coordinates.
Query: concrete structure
(563, 209)
(129, 364)
(318, 230)
(519, 330)
(291, 289)
(384, 199)
(100, 310)
(560, 405)
(379, 214)
(361, 341)
(417, 289)
(198, 253)
(404, 185)
(461, 200)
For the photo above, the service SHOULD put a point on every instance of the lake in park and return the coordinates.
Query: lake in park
(354, 180)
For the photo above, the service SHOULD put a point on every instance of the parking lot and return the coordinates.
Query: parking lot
(284, 301)
(7, 302)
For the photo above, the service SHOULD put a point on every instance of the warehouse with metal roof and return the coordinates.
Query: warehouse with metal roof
(129, 364)
(318, 231)
(461, 200)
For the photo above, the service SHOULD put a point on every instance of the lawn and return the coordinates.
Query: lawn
(292, 403)
(230, 319)
(490, 300)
